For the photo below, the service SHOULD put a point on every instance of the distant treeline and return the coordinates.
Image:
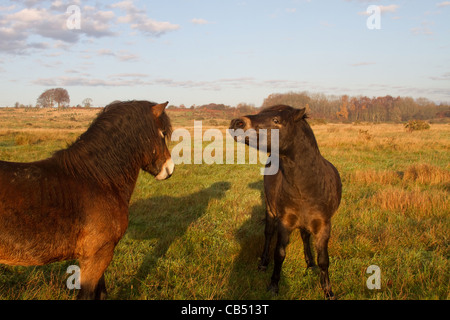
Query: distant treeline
(344, 108)
(319, 106)
(362, 108)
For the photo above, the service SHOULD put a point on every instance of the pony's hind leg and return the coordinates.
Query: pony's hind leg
(92, 269)
(100, 291)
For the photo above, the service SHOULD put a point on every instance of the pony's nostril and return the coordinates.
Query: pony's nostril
(238, 124)
(169, 172)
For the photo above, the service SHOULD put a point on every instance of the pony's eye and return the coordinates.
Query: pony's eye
(276, 121)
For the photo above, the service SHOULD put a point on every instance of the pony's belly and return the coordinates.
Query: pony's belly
(30, 258)
(33, 237)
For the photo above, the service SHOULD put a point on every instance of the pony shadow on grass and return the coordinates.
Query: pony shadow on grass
(165, 219)
(246, 281)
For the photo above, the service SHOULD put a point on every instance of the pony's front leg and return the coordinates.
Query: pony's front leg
(321, 240)
(279, 255)
(92, 269)
(268, 233)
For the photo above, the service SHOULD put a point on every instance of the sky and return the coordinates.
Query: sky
(195, 52)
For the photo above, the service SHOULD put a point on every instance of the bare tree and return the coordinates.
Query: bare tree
(51, 96)
(45, 100)
(87, 102)
(61, 97)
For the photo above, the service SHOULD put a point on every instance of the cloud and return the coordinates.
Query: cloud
(138, 20)
(127, 6)
(29, 3)
(424, 29)
(444, 77)
(241, 83)
(7, 8)
(363, 1)
(383, 9)
(22, 21)
(122, 55)
(326, 24)
(390, 8)
(126, 56)
(16, 28)
(200, 21)
(86, 82)
(133, 79)
(443, 4)
(438, 93)
(129, 75)
(152, 27)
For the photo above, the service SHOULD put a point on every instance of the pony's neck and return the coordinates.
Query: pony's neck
(107, 166)
(302, 155)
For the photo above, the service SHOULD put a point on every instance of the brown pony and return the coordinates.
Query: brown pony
(74, 205)
(303, 194)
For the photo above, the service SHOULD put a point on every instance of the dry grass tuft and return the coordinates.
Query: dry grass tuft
(370, 176)
(419, 202)
(424, 173)
(32, 137)
(421, 173)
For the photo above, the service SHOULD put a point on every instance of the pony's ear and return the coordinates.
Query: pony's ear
(299, 114)
(159, 109)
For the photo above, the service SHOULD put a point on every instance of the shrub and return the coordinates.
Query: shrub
(415, 125)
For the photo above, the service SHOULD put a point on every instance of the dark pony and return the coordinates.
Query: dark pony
(303, 194)
(74, 205)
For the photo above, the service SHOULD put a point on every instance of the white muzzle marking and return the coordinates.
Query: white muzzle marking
(166, 170)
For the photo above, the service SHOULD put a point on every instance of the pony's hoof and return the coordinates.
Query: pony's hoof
(262, 268)
(273, 288)
(311, 268)
(311, 265)
(330, 296)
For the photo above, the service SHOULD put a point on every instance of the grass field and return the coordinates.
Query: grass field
(199, 234)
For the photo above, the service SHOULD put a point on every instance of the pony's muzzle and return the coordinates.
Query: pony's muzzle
(166, 170)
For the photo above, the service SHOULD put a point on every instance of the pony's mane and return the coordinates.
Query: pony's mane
(111, 150)
(282, 107)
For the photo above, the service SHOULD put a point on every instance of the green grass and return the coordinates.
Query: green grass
(199, 234)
